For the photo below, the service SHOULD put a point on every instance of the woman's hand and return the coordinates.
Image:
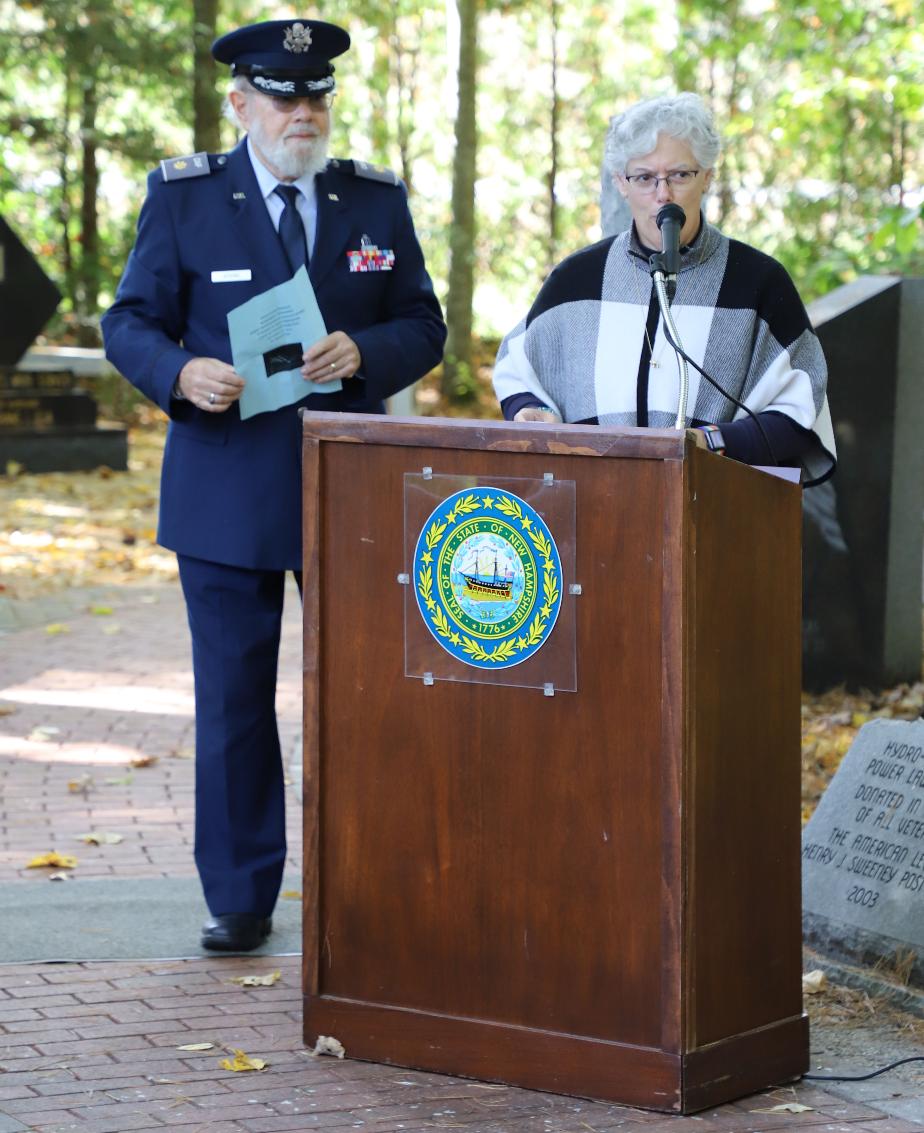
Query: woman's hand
(534, 413)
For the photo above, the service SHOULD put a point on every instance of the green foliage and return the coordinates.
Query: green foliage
(820, 101)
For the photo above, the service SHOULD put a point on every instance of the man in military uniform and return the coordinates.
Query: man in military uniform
(215, 231)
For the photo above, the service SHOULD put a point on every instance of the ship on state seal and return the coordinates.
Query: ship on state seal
(494, 588)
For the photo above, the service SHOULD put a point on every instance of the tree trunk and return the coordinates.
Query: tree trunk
(458, 367)
(554, 117)
(88, 290)
(206, 99)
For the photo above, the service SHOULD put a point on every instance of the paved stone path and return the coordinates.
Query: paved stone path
(95, 1047)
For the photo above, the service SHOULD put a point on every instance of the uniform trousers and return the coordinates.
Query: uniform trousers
(235, 619)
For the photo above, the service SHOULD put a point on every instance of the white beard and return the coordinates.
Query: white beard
(291, 161)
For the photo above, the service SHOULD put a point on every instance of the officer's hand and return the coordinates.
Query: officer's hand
(534, 413)
(210, 384)
(334, 356)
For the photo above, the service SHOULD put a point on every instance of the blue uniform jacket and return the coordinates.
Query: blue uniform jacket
(231, 489)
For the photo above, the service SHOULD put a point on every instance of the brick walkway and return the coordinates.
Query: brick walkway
(94, 1047)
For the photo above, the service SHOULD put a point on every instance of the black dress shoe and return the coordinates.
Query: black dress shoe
(236, 932)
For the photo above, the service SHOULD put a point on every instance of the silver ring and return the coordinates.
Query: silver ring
(333, 365)
(212, 398)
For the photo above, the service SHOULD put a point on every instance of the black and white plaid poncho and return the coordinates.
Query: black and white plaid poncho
(582, 348)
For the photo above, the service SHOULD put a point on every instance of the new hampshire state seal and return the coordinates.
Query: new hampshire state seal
(487, 578)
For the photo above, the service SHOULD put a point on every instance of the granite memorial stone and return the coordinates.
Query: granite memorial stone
(863, 852)
(862, 530)
(47, 422)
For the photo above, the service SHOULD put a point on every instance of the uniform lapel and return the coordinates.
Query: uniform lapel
(252, 224)
(333, 228)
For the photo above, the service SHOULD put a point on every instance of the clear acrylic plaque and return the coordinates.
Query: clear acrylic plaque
(507, 622)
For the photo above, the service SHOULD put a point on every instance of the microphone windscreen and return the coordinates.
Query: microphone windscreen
(671, 212)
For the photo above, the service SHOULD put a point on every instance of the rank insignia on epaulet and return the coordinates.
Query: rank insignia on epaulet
(178, 168)
(370, 172)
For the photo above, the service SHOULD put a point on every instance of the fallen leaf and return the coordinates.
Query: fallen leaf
(112, 629)
(326, 1044)
(99, 838)
(241, 1062)
(44, 732)
(197, 1046)
(60, 877)
(7, 710)
(257, 981)
(101, 611)
(124, 782)
(184, 753)
(57, 627)
(144, 761)
(59, 861)
(814, 982)
(291, 894)
(84, 783)
(786, 1107)
(13, 468)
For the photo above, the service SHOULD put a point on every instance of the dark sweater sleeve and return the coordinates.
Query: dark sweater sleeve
(512, 405)
(745, 442)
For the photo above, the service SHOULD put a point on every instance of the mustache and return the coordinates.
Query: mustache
(302, 132)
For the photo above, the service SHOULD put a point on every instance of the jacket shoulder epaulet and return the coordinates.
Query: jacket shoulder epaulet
(365, 170)
(192, 165)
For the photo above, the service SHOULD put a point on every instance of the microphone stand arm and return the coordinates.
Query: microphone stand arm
(665, 286)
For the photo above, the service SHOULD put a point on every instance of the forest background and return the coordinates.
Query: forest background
(494, 113)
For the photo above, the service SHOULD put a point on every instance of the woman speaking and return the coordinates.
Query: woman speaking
(594, 349)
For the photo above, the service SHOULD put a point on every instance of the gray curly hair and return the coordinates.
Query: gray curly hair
(635, 132)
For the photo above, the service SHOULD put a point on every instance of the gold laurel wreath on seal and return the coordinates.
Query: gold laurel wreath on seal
(505, 650)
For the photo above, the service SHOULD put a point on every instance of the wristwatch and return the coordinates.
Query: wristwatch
(714, 439)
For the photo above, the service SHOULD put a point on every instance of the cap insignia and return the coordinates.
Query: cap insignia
(281, 86)
(298, 39)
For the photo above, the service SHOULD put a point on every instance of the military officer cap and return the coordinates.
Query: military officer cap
(287, 58)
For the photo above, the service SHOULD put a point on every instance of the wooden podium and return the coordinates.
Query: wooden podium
(595, 892)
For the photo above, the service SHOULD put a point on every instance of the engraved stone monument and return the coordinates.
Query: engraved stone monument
(862, 530)
(47, 421)
(863, 852)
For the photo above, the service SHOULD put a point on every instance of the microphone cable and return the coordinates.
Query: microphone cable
(711, 380)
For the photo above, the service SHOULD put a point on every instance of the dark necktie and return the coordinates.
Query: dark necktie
(291, 229)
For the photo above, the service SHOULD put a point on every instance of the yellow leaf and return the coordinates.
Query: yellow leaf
(197, 1046)
(813, 982)
(242, 1062)
(59, 861)
(84, 783)
(101, 610)
(257, 981)
(291, 894)
(183, 753)
(57, 627)
(144, 761)
(44, 732)
(859, 719)
(98, 838)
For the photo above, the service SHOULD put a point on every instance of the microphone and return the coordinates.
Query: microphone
(670, 220)
(664, 266)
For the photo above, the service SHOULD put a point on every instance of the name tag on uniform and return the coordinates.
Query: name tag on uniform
(236, 275)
